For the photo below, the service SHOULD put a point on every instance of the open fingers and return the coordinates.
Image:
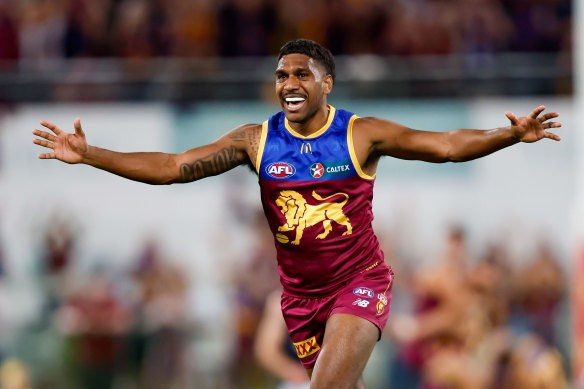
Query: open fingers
(77, 125)
(551, 135)
(51, 126)
(552, 125)
(548, 116)
(537, 111)
(44, 143)
(512, 118)
(44, 134)
(47, 156)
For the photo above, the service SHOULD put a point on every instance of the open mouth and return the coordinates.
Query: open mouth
(294, 103)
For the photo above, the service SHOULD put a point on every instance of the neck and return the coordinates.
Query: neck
(313, 124)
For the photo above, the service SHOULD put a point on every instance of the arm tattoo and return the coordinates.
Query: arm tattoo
(238, 136)
(211, 165)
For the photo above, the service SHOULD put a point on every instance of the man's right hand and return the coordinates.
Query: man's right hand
(69, 148)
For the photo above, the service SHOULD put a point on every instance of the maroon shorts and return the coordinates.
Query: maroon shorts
(367, 295)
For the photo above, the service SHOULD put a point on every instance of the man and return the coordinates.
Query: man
(316, 168)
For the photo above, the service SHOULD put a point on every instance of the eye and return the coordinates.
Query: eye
(303, 75)
(281, 77)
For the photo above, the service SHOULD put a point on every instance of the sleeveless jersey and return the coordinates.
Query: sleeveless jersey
(318, 203)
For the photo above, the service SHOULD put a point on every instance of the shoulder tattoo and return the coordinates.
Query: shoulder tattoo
(253, 137)
(249, 136)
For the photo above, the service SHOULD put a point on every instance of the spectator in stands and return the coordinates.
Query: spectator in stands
(94, 319)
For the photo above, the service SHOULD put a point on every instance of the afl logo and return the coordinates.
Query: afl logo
(280, 170)
(316, 170)
(364, 292)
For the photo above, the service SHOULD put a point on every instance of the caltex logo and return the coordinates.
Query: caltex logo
(316, 170)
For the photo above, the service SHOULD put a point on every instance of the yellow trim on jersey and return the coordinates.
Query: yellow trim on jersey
(262, 145)
(352, 150)
(331, 116)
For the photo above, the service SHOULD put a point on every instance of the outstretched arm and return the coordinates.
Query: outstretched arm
(375, 137)
(236, 148)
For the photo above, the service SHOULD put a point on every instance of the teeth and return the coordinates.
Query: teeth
(294, 99)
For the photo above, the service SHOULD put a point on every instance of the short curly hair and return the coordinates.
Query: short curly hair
(312, 49)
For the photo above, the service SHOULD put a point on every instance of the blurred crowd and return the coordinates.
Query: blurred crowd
(457, 322)
(481, 323)
(98, 328)
(33, 29)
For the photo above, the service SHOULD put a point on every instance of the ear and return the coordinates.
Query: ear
(327, 84)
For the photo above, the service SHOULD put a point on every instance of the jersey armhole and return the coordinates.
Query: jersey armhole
(261, 146)
(352, 150)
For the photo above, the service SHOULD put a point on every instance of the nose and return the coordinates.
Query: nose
(291, 83)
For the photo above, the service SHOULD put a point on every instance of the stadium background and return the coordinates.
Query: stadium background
(181, 273)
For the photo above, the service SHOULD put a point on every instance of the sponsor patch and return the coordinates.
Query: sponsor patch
(306, 148)
(333, 169)
(306, 347)
(364, 292)
(316, 170)
(280, 170)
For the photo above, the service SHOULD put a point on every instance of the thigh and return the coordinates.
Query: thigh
(347, 345)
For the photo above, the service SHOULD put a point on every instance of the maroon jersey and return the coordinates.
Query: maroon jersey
(318, 203)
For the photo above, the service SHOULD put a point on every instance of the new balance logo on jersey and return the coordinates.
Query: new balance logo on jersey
(306, 347)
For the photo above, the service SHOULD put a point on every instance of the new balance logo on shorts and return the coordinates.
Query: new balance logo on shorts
(306, 347)
(361, 303)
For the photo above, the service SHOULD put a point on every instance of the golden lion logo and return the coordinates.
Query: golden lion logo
(300, 215)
